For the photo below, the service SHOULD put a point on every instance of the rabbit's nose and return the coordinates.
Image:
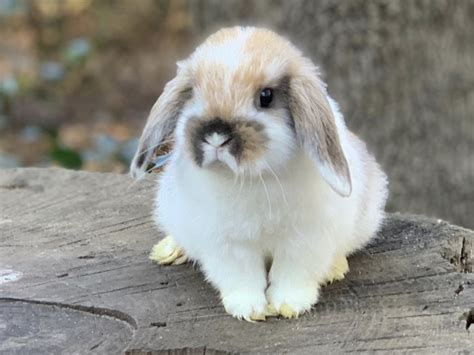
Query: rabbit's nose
(217, 139)
(216, 132)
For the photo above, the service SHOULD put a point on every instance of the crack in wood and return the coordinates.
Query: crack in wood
(459, 289)
(422, 315)
(468, 317)
(179, 351)
(125, 228)
(150, 289)
(158, 324)
(109, 270)
(112, 313)
(461, 258)
(466, 256)
(20, 184)
(68, 243)
(395, 280)
(88, 256)
(96, 345)
(392, 349)
(11, 187)
(121, 223)
(123, 289)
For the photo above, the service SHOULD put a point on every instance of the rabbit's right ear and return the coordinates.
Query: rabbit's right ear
(315, 127)
(162, 120)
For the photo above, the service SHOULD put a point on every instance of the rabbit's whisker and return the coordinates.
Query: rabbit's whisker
(242, 181)
(268, 196)
(278, 181)
(142, 175)
(155, 146)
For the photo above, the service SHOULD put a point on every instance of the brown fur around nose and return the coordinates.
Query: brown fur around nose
(247, 145)
(253, 140)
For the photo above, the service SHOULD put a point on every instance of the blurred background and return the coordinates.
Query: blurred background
(78, 77)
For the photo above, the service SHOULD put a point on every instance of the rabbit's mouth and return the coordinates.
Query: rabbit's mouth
(217, 142)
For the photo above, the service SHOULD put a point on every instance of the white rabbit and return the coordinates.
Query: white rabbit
(263, 168)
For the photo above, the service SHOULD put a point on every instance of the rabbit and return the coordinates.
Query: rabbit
(265, 187)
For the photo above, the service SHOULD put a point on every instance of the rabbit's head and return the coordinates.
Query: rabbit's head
(243, 102)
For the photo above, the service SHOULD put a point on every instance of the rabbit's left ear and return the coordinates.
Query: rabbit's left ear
(162, 120)
(315, 128)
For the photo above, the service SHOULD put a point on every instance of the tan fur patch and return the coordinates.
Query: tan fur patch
(266, 43)
(254, 139)
(224, 35)
(224, 89)
(210, 79)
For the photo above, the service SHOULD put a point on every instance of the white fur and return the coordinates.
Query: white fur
(229, 226)
(280, 208)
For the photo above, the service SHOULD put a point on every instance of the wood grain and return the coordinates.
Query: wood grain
(78, 244)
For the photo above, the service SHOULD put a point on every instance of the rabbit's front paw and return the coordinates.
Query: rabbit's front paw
(168, 252)
(246, 305)
(290, 300)
(338, 270)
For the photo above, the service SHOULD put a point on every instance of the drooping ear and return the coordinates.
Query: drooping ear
(315, 127)
(162, 120)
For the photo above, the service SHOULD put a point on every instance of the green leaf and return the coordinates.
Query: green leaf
(67, 158)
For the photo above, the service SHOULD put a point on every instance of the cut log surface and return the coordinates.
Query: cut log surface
(75, 278)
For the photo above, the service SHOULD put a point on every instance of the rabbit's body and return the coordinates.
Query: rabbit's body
(288, 183)
(197, 206)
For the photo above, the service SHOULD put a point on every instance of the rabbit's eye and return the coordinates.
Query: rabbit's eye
(266, 97)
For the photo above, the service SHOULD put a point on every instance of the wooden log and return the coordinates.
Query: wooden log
(75, 278)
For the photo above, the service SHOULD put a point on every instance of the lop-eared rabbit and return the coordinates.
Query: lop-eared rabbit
(266, 188)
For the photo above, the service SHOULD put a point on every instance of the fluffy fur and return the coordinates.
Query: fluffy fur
(291, 183)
